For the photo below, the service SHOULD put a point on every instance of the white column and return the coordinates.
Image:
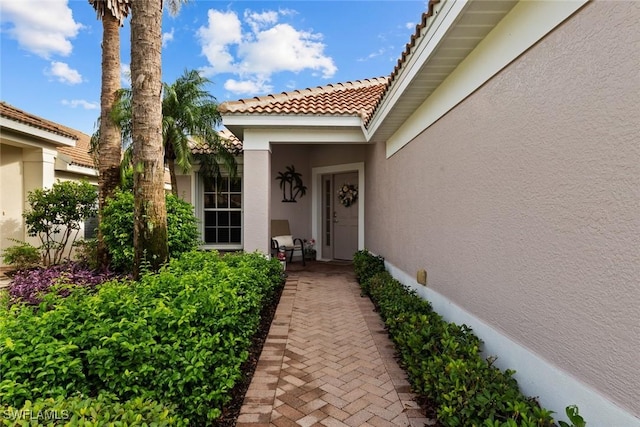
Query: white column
(38, 172)
(257, 192)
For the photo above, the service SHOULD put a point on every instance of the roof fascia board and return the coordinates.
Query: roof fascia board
(521, 28)
(270, 120)
(262, 138)
(445, 15)
(64, 163)
(47, 136)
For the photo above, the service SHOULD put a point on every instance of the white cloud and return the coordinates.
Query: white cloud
(257, 21)
(75, 103)
(64, 73)
(263, 47)
(283, 48)
(224, 29)
(372, 55)
(43, 27)
(410, 25)
(167, 37)
(247, 87)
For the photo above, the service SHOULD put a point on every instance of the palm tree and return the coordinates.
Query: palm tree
(190, 114)
(150, 242)
(112, 14)
(189, 117)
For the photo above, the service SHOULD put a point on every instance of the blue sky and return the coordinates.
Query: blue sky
(50, 49)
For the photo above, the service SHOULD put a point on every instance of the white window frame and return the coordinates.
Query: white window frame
(200, 212)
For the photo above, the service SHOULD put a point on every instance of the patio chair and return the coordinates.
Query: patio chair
(283, 240)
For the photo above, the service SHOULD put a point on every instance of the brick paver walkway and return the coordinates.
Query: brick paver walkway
(328, 361)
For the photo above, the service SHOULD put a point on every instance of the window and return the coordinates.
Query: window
(222, 216)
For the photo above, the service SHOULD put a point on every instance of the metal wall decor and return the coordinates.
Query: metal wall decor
(291, 184)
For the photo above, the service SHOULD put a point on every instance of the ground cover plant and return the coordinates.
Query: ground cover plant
(444, 362)
(169, 346)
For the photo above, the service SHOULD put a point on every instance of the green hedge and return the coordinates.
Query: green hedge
(443, 360)
(177, 337)
(80, 411)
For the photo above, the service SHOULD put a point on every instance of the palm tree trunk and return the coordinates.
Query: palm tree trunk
(109, 145)
(150, 214)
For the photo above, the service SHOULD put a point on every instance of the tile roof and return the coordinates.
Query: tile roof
(17, 115)
(233, 144)
(350, 98)
(79, 154)
(360, 97)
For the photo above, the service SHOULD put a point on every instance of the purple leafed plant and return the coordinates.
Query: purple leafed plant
(29, 285)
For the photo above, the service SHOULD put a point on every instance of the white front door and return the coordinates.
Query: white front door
(344, 219)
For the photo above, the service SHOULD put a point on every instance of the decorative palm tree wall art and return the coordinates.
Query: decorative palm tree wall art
(292, 181)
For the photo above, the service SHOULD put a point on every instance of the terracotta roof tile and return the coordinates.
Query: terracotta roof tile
(15, 114)
(80, 153)
(233, 144)
(407, 51)
(350, 98)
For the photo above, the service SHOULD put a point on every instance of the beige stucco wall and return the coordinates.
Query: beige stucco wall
(304, 158)
(11, 196)
(523, 203)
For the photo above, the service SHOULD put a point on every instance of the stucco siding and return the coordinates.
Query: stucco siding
(304, 158)
(11, 196)
(523, 202)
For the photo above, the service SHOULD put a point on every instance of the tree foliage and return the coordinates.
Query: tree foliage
(117, 228)
(56, 216)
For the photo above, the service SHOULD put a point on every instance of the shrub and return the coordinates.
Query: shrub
(367, 265)
(79, 411)
(21, 256)
(117, 228)
(178, 337)
(443, 360)
(56, 214)
(87, 253)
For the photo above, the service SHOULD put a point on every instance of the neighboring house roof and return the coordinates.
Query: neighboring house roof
(80, 153)
(15, 114)
(228, 139)
(351, 98)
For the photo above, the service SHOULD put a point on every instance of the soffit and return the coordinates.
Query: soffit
(414, 81)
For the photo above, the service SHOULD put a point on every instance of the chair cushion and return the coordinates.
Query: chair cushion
(286, 241)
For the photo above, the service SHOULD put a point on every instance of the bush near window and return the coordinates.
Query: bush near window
(178, 337)
(117, 228)
(443, 360)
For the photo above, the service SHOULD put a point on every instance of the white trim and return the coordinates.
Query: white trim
(50, 137)
(261, 139)
(316, 205)
(536, 377)
(526, 23)
(248, 121)
(444, 16)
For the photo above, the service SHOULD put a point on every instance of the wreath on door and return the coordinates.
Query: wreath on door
(348, 194)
